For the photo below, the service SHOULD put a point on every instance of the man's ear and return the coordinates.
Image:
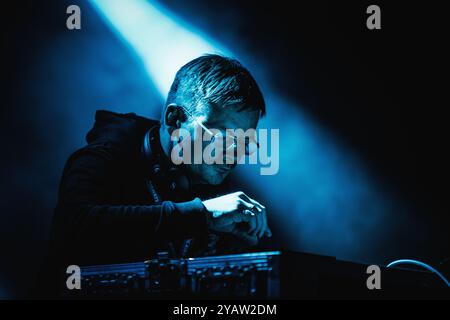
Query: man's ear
(174, 116)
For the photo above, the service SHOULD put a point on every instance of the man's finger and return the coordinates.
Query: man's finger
(253, 225)
(264, 224)
(260, 225)
(242, 204)
(250, 240)
(258, 205)
(257, 225)
(268, 233)
(244, 216)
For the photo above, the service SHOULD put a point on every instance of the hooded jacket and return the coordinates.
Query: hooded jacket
(105, 212)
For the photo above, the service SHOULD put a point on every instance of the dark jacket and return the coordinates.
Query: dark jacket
(106, 212)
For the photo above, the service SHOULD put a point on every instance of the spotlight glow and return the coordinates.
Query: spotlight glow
(162, 41)
(323, 196)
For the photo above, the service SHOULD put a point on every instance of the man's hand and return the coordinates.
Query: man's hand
(227, 211)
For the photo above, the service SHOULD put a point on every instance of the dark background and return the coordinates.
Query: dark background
(383, 93)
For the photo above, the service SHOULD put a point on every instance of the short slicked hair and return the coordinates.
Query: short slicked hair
(215, 80)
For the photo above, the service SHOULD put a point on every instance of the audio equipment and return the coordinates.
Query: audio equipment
(273, 274)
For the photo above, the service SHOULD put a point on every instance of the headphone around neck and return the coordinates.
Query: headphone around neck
(164, 178)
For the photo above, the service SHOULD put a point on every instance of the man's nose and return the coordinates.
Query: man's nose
(231, 159)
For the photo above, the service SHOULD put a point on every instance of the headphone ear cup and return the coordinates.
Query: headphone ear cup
(153, 166)
(178, 180)
(173, 177)
(146, 148)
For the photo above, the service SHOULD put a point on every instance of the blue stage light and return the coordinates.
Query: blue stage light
(323, 197)
(162, 41)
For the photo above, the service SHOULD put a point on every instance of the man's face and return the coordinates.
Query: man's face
(220, 119)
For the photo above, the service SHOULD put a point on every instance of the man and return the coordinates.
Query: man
(123, 199)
